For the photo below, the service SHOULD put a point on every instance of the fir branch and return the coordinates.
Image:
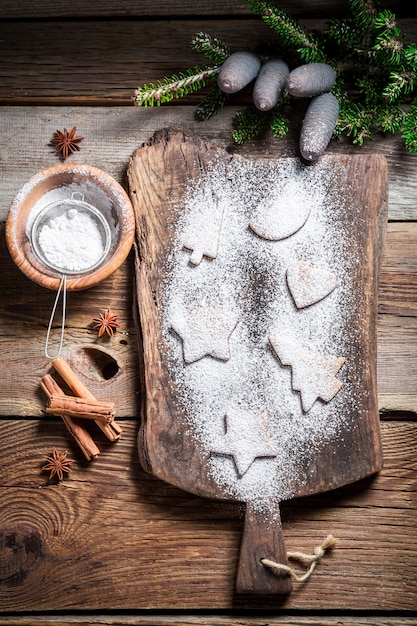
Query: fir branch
(388, 39)
(279, 124)
(409, 132)
(410, 56)
(363, 13)
(400, 84)
(175, 86)
(215, 50)
(355, 121)
(214, 100)
(391, 119)
(389, 50)
(250, 123)
(289, 31)
(385, 21)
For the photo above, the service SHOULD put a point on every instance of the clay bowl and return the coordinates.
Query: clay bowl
(55, 184)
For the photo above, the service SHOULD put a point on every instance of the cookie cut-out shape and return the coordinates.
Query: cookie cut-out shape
(312, 375)
(205, 331)
(309, 284)
(203, 239)
(246, 439)
(283, 214)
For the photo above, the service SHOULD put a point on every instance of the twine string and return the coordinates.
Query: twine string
(307, 559)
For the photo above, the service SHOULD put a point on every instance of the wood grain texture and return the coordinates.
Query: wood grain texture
(171, 8)
(171, 550)
(102, 62)
(128, 549)
(25, 309)
(244, 618)
(112, 134)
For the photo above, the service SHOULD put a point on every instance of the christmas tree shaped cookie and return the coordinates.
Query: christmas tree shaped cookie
(312, 375)
(203, 238)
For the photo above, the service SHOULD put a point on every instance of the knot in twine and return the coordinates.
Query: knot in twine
(308, 559)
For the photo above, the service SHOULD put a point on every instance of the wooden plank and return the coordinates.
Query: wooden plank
(112, 134)
(111, 537)
(397, 332)
(171, 8)
(101, 62)
(206, 619)
(25, 309)
(398, 281)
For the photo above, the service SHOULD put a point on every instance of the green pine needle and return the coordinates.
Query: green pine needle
(409, 132)
(174, 86)
(215, 50)
(250, 123)
(400, 84)
(289, 32)
(279, 124)
(214, 100)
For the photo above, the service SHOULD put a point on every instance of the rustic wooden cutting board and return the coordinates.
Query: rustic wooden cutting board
(305, 441)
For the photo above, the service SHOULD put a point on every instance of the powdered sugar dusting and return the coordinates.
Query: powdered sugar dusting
(248, 280)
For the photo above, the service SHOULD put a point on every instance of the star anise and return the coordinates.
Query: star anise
(58, 464)
(66, 142)
(106, 323)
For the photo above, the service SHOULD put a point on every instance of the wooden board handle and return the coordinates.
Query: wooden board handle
(262, 539)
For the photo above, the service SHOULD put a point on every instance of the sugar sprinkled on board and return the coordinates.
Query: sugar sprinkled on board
(248, 280)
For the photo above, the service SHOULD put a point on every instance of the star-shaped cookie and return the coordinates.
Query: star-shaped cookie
(246, 439)
(205, 331)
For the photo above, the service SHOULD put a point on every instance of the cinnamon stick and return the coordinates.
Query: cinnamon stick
(81, 408)
(112, 430)
(75, 426)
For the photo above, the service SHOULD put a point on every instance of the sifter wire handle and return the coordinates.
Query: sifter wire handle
(62, 288)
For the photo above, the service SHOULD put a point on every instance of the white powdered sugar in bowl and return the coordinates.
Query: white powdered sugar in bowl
(70, 236)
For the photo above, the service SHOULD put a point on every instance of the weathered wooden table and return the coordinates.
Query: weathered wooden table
(110, 544)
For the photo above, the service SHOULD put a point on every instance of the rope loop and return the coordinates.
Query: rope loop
(308, 559)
